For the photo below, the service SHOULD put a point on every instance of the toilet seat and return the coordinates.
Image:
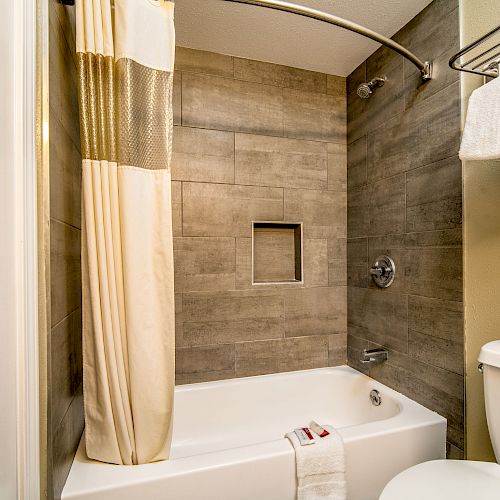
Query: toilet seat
(446, 480)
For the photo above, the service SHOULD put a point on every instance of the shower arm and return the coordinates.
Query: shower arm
(424, 67)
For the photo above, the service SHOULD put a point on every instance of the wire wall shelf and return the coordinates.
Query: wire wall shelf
(481, 57)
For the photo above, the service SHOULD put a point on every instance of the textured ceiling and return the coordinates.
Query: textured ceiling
(283, 38)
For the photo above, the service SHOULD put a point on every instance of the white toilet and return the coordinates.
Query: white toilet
(459, 479)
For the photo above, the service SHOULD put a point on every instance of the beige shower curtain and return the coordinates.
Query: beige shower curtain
(125, 64)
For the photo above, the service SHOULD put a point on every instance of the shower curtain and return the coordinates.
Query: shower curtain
(125, 68)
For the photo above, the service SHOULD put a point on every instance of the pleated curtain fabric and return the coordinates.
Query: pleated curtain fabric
(125, 64)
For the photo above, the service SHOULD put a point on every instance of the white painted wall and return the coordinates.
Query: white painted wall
(18, 334)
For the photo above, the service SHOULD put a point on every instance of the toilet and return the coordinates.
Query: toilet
(459, 479)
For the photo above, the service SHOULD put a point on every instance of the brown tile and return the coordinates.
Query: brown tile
(243, 263)
(281, 76)
(226, 104)
(202, 155)
(65, 365)
(315, 311)
(358, 212)
(177, 208)
(356, 163)
(227, 210)
(217, 318)
(336, 85)
(434, 196)
(387, 206)
(202, 364)
(436, 317)
(396, 146)
(355, 347)
(337, 349)
(316, 267)
(65, 272)
(280, 162)
(203, 264)
(272, 356)
(436, 351)
(389, 328)
(177, 98)
(355, 78)
(274, 254)
(65, 442)
(337, 272)
(337, 167)
(318, 117)
(454, 453)
(322, 212)
(65, 175)
(201, 61)
(357, 263)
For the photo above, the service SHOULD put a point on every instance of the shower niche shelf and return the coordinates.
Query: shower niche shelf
(277, 253)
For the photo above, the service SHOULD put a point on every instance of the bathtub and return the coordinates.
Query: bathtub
(228, 440)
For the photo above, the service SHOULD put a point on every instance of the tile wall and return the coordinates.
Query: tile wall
(405, 200)
(255, 141)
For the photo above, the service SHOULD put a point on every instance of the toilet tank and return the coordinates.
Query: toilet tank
(490, 358)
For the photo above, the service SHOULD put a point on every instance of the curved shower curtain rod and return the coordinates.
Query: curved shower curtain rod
(424, 67)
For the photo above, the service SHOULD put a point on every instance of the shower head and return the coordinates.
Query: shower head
(365, 90)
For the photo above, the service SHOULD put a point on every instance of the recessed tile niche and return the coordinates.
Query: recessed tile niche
(277, 252)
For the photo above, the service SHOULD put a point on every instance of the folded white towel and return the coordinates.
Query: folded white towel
(320, 467)
(481, 137)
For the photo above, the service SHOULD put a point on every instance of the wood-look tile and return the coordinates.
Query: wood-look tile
(322, 212)
(358, 212)
(316, 264)
(355, 78)
(177, 98)
(357, 262)
(280, 162)
(281, 76)
(355, 348)
(336, 85)
(434, 196)
(65, 270)
(222, 317)
(201, 61)
(65, 442)
(436, 317)
(364, 314)
(337, 167)
(65, 365)
(337, 272)
(274, 256)
(203, 264)
(356, 163)
(318, 117)
(227, 210)
(337, 349)
(272, 356)
(396, 146)
(227, 104)
(65, 175)
(202, 155)
(436, 351)
(205, 363)
(177, 208)
(315, 311)
(63, 99)
(387, 206)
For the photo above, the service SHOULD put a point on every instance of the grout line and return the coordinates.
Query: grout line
(55, 219)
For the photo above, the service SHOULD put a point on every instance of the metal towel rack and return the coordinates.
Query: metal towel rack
(481, 57)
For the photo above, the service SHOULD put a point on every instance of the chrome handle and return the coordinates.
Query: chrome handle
(377, 271)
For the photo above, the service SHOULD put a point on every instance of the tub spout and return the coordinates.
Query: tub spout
(374, 356)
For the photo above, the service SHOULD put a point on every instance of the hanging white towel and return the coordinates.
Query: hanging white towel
(481, 137)
(320, 467)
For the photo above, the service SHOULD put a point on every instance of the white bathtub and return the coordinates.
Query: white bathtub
(228, 440)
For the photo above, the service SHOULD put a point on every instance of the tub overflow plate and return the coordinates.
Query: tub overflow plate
(383, 271)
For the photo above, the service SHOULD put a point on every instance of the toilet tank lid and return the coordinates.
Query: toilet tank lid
(490, 354)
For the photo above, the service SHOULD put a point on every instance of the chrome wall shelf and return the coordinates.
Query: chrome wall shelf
(481, 57)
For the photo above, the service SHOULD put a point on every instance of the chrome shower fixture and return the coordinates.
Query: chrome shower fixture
(365, 90)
